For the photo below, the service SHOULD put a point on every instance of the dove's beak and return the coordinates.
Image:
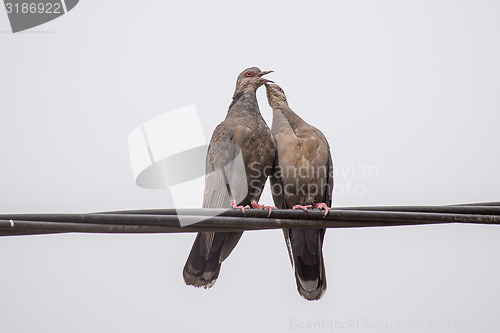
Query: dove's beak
(264, 73)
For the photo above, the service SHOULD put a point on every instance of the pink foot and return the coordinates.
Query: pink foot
(322, 206)
(233, 204)
(256, 205)
(304, 208)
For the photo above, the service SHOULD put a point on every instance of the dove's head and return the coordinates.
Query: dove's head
(275, 95)
(251, 79)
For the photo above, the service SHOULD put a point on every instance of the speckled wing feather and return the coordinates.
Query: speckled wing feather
(240, 154)
(305, 247)
(329, 190)
(210, 248)
(221, 151)
(301, 145)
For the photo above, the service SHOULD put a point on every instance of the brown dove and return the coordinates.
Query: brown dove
(239, 159)
(302, 179)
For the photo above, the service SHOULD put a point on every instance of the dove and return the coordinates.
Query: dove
(239, 160)
(302, 178)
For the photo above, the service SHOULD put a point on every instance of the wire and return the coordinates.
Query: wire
(168, 220)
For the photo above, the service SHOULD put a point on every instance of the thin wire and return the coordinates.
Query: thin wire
(167, 220)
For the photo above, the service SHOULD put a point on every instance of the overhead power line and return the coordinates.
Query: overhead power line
(167, 220)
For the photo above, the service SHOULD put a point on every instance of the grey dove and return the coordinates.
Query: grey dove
(302, 179)
(243, 134)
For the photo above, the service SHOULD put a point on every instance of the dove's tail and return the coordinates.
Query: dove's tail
(209, 250)
(305, 248)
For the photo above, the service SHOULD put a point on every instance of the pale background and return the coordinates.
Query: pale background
(409, 88)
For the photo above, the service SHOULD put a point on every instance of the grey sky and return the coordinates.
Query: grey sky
(406, 88)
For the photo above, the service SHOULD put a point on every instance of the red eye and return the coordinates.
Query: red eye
(248, 74)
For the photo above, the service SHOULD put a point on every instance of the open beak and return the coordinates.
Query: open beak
(264, 73)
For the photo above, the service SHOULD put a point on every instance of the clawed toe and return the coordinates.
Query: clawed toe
(322, 206)
(304, 208)
(258, 206)
(270, 209)
(242, 208)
